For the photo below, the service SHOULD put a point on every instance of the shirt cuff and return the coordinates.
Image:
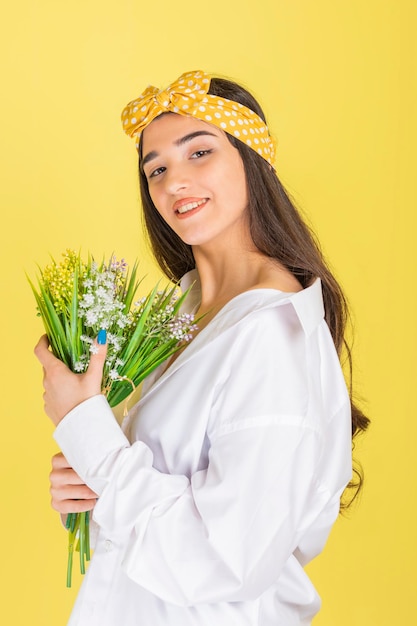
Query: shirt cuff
(88, 434)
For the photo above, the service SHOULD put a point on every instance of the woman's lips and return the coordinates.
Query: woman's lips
(188, 204)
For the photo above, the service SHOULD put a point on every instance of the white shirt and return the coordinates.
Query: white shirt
(224, 480)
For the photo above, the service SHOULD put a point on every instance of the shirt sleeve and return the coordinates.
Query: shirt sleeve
(225, 533)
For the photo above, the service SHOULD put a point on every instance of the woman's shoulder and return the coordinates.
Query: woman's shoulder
(271, 274)
(268, 305)
(275, 276)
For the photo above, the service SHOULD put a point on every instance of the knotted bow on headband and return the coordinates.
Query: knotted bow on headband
(188, 96)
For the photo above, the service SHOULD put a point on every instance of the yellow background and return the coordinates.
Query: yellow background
(337, 81)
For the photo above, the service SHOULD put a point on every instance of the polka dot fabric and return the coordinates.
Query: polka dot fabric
(188, 96)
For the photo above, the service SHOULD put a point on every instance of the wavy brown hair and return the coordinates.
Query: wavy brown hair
(279, 232)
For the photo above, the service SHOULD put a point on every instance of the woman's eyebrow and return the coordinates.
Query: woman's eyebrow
(178, 142)
(197, 133)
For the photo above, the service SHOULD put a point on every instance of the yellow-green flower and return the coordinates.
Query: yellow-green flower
(58, 279)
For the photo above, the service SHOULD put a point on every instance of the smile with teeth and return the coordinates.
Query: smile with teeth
(190, 206)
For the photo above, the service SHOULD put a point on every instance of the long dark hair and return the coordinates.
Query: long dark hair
(279, 232)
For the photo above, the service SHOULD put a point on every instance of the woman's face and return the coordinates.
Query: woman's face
(196, 180)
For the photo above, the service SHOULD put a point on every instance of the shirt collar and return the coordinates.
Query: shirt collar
(309, 306)
(308, 303)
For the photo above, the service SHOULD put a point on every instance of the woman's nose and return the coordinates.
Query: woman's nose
(176, 179)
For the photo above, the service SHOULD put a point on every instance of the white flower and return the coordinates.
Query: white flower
(91, 318)
(122, 322)
(104, 294)
(87, 300)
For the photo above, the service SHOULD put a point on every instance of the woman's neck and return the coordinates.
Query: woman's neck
(226, 273)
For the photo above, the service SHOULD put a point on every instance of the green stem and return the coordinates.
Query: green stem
(71, 540)
(87, 535)
(69, 564)
(82, 543)
(78, 524)
(71, 521)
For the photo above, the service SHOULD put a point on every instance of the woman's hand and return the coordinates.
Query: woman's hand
(64, 390)
(69, 493)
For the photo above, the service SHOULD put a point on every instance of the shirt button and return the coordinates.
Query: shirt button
(108, 546)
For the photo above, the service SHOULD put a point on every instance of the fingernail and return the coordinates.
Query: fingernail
(102, 337)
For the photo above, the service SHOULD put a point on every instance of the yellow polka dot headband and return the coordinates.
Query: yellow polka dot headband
(188, 96)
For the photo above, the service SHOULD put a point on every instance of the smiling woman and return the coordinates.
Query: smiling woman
(226, 477)
(196, 180)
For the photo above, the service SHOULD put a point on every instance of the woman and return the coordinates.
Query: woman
(226, 477)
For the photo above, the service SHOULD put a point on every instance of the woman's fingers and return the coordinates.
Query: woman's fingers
(97, 358)
(69, 494)
(42, 352)
(74, 504)
(64, 390)
(59, 461)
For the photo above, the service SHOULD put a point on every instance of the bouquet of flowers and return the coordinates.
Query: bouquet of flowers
(76, 299)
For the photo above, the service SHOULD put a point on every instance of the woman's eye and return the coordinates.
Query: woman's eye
(156, 172)
(199, 153)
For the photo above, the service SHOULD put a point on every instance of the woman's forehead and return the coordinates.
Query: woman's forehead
(172, 126)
